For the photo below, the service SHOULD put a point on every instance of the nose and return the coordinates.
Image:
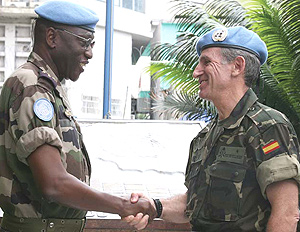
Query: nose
(89, 52)
(198, 71)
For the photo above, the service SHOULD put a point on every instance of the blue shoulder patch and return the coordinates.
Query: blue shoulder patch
(43, 109)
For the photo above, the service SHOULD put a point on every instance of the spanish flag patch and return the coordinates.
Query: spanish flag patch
(270, 147)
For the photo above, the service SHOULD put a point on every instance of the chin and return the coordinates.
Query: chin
(74, 77)
(204, 96)
(201, 95)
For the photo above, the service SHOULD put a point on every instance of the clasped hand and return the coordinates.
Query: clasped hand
(147, 213)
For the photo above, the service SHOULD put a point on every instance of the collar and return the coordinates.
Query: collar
(239, 111)
(44, 69)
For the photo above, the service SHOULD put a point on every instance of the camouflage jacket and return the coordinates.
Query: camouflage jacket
(232, 161)
(24, 127)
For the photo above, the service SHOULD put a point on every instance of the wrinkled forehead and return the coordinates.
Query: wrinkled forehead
(211, 53)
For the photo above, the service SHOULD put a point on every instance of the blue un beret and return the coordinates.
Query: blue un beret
(234, 37)
(68, 13)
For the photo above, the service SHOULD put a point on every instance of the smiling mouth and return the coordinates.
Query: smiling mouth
(82, 65)
(201, 82)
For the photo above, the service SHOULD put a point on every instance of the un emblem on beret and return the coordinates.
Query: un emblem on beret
(219, 35)
(43, 109)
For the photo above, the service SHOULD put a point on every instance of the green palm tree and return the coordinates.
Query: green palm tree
(276, 22)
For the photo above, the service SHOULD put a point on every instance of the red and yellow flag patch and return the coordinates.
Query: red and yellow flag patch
(271, 147)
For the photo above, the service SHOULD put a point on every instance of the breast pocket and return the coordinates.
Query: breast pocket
(225, 191)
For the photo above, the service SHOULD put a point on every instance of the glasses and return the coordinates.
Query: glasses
(87, 42)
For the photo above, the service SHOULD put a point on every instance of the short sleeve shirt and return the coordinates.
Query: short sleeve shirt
(232, 161)
(34, 110)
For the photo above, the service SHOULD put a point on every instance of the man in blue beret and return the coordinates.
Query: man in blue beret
(44, 166)
(243, 168)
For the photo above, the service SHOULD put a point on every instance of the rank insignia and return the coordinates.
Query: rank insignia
(270, 147)
(43, 109)
(219, 35)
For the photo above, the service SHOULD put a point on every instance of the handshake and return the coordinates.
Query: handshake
(140, 211)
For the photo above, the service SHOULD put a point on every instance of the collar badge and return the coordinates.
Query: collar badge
(68, 113)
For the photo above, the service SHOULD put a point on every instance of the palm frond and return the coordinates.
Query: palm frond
(182, 104)
(280, 30)
(275, 21)
(178, 76)
(177, 53)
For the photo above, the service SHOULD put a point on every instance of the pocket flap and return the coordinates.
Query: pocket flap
(227, 171)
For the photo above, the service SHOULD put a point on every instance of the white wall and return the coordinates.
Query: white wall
(91, 80)
(159, 9)
(127, 23)
(122, 72)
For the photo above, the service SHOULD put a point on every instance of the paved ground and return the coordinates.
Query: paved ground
(139, 156)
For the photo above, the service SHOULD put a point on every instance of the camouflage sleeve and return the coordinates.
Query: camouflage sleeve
(277, 153)
(27, 130)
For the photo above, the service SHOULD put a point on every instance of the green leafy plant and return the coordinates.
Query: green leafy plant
(275, 21)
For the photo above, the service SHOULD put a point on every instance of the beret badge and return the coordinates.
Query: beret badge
(219, 35)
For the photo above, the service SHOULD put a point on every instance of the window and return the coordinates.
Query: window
(136, 5)
(116, 111)
(90, 104)
(22, 44)
(127, 4)
(139, 6)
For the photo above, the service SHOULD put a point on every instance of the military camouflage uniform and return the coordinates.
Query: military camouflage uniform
(231, 163)
(21, 132)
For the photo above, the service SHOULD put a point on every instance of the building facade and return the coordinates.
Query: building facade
(134, 24)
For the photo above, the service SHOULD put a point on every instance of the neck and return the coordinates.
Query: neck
(228, 101)
(46, 56)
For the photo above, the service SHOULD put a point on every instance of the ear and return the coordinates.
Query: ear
(238, 66)
(51, 37)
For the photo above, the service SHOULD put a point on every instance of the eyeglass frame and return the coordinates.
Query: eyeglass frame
(88, 42)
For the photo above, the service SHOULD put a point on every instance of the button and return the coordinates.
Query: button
(236, 173)
(62, 222)
(252, 108)
(21, 220)
(214, 168)
(51, 224)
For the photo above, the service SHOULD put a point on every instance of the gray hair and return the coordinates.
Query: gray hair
(252, 67)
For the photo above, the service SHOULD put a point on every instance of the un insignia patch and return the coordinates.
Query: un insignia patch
(43, 109)
(219, 35)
